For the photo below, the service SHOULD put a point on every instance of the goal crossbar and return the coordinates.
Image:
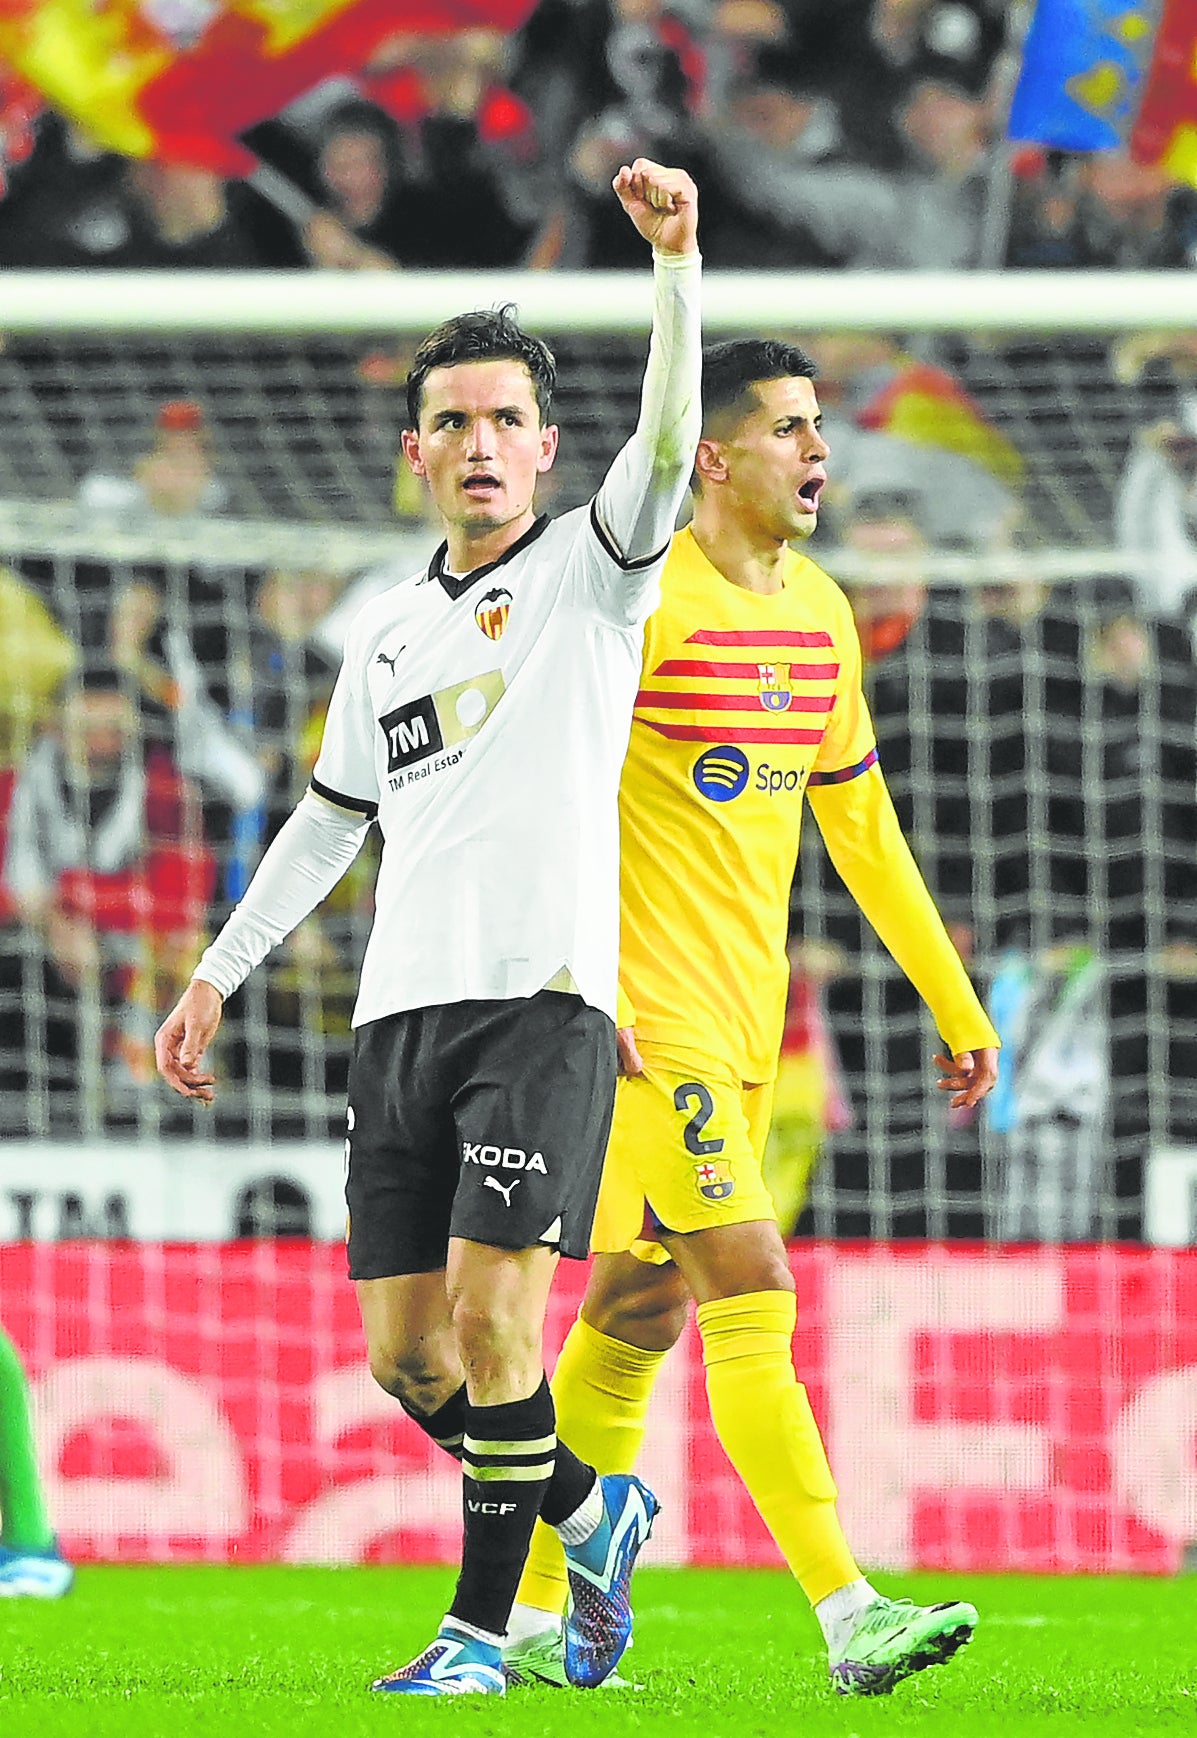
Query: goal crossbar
(592, 301)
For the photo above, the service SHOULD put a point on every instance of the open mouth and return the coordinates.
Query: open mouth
(481, 485)
(810, 491)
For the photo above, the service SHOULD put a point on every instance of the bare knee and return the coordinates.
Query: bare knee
(409, 1375)
(494, 1342)
(636, 1302)
(409, 1339)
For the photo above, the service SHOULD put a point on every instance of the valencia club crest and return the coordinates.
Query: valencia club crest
(492, 612)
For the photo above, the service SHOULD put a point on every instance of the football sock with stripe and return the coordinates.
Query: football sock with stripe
(507, 1461)
(446, 1426)
(25, 1523)
(763, 1419)
(572, 1481)
(601, 1388)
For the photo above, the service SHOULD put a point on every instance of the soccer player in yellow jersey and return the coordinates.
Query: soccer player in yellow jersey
(750, 702)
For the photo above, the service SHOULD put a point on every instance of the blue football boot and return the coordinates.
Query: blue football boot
(34, 1574)
(452, 1665)
(598, 1627)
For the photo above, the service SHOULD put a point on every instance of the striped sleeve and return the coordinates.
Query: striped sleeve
(849, 746)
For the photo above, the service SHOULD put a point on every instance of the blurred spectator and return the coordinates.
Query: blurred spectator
(106, 862)
(175, 477)
(447, 176)
(168, 628)
(38, 658)
(793, 126)
(902, 426)
(71, 205)
(357, 167)
(65, 205)
(882, 526)
(183, 217)
(924, 215)
(640, 74)
(1103, 211)
(868, 55)
(289, 678)
(1156, 510)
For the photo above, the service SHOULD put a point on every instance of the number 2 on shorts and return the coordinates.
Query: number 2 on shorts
(686, 1095)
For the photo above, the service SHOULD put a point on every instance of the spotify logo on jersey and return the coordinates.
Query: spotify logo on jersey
(721, 773)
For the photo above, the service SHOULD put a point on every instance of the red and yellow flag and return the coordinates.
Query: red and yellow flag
(135, 88)
(1165, 130)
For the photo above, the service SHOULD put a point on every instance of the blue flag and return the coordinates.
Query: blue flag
(1084, 65)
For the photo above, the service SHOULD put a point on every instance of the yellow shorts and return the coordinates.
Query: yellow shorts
(685, 1153)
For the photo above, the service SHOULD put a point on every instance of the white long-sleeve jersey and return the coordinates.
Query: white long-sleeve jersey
(483, 721)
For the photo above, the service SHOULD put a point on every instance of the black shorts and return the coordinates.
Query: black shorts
(483, 1120)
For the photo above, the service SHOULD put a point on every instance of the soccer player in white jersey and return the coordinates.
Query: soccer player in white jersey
(482, 715)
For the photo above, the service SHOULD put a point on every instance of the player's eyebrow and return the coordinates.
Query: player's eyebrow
(443, 416)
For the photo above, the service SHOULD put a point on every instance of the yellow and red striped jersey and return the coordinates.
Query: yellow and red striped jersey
(746, 702)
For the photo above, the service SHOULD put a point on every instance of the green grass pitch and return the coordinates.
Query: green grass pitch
(151, 1652)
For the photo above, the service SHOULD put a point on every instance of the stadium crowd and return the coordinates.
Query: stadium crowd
(867, 136)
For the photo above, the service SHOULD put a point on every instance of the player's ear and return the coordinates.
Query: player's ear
(549, 436)
(410, 442)
(710, 463)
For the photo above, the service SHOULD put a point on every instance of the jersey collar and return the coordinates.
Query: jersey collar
(456, 587)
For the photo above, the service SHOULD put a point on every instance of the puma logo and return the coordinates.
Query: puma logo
(390, 662)
(503, 1188)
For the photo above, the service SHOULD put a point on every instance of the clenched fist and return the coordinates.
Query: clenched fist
(662, 203)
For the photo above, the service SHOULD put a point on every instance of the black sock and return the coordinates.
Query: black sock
(569, 1487)
(507, 1462)
(446, 1426)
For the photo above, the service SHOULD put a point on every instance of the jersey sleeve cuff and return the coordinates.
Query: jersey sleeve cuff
(610, 548)
(844, 773)
(356, 805)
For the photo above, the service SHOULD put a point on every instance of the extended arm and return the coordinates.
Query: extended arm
(638, 503)
(870, 853)
(312, 851)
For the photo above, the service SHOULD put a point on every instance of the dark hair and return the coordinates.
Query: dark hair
(486, 335)
(730, 369)
(356, 116)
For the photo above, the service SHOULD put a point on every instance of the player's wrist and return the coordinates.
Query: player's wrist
(688, 256)
(203, 980)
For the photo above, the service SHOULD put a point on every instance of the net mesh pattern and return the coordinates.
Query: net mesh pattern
(1049, 797)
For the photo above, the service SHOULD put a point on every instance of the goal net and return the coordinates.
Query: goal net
(198, 481)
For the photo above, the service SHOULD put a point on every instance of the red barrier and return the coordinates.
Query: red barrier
(1031, 1409)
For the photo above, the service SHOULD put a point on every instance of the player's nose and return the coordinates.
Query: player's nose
(482, 438)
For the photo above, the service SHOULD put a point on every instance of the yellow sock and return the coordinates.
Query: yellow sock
(601, 1389)
(763, 1419)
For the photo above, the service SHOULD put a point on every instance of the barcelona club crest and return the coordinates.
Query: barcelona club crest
(491, 614)
(714, 1179)
(775, 690)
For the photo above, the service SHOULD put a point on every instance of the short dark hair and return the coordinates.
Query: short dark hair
(730, 369)
(486, 335)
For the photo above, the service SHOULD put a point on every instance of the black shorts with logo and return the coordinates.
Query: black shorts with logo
(483, 1120)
